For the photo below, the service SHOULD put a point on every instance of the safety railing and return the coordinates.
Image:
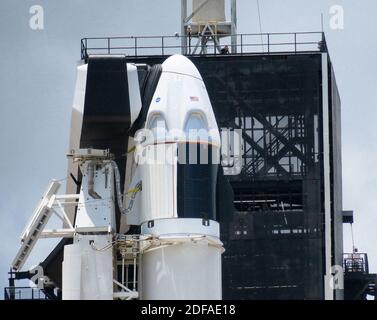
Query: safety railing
(23, 293)
(355, 263)
(257, 43)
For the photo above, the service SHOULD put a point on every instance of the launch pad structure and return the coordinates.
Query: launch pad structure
(285, 235)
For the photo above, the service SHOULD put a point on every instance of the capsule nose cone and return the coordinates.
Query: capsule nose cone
(182, 65)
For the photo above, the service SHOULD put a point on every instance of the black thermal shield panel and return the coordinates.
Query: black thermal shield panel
(106, 119)
(107, 108)
(148, 80)
(196, 181)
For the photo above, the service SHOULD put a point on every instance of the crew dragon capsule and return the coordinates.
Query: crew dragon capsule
(178, 199)
(140, 210)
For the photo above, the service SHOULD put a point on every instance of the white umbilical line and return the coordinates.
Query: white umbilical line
(353, 242)
(106, 247)
(123, 253)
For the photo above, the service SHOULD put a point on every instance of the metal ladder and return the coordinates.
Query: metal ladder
(36, 225)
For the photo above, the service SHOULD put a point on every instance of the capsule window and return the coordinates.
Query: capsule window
(158, 127)
(195, 122)
(196, 128)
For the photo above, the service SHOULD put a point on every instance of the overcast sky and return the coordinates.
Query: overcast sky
(37, 75)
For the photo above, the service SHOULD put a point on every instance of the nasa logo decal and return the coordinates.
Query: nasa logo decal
(158, 99)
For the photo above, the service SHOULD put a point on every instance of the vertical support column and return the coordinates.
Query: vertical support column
(12, 292)
(326, 176)
(183, 34)
(233, 13)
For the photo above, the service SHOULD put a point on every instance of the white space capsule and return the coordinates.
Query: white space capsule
(178, 160)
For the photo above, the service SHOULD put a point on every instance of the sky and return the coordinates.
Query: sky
(37, 78)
